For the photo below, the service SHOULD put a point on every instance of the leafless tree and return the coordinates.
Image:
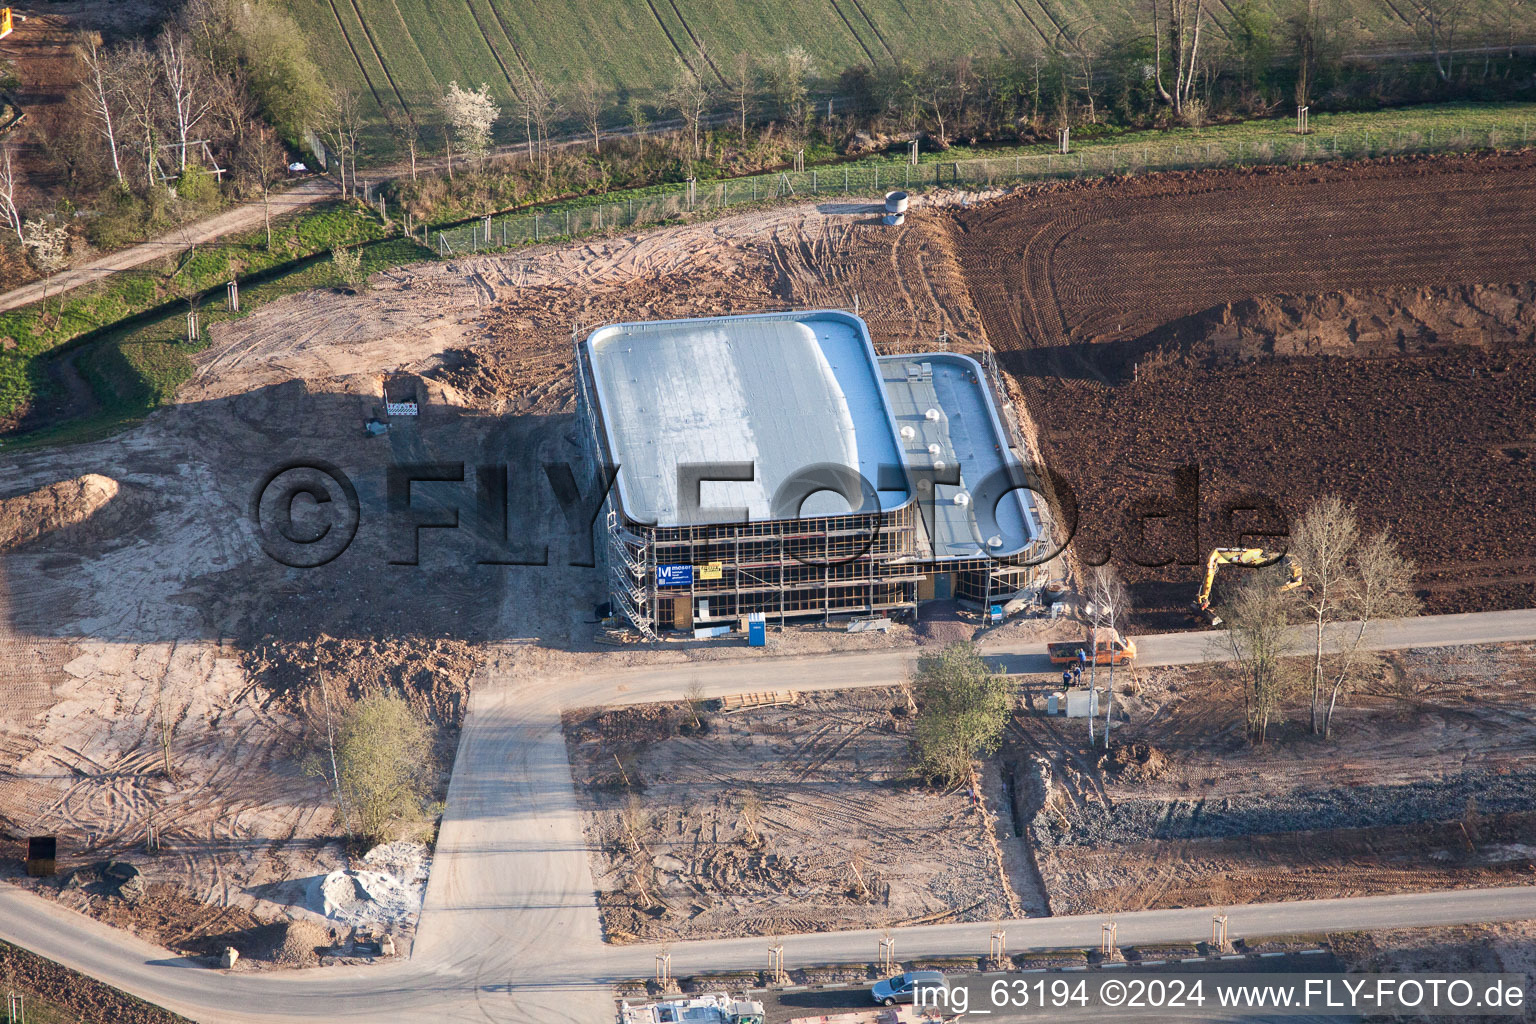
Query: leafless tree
(590, 101)
(1323, 541)
(1256, 618)
(540, 111)
(752, 816)
(186, 82)
(261, 162)
(232, 106)
(10, 178)
(1436, 23)
(139, 88)
(743, 81)
(1383, 589)
(689, 96)
(1112, 602)
(407, 131)
(102, 90)
(341, 126)
(1185, 21)
(638, 121)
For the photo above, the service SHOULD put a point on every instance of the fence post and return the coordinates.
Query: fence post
(567, 222)
(845, 181)
(814, 187)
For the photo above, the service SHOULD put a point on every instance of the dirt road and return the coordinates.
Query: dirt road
(510, 932)
(239, 218)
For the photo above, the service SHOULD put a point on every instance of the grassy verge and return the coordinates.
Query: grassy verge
(122, 371)
(54, 994)
(114, 333)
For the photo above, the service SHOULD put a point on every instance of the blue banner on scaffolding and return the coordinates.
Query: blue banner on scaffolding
(674, 575)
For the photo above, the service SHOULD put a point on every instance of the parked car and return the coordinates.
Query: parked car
(903, 987)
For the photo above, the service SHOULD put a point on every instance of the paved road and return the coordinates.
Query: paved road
(510, 928)
(243, 217)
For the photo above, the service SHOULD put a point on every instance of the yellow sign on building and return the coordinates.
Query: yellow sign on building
(711, 570)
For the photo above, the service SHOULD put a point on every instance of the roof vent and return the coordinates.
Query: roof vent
(962, 499)
(994, 541)
(907, 433)
(934, 449)
(932, 415)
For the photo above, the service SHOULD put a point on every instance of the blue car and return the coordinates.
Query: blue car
(903, 987)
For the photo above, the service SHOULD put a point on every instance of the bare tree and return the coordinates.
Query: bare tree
(185, 78)
(590, 101)
(743, 82)
(1112, 603)
(1256, 634)
(540, 111)
(1185, 21)
(689, 96)
(638, 121)
(1323, 541)
(752, 816)
(138, 86)
(102, 89)
(408, 133)
(1436, 23)
(1383, 582)
(261, 162)
(9, 180)
(341, 126)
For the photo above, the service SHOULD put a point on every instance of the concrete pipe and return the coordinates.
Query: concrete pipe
(895, 202)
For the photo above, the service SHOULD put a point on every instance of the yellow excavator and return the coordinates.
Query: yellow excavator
(1254, 557)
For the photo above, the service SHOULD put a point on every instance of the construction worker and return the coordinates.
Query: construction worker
(1066, 678)
(1077, 674)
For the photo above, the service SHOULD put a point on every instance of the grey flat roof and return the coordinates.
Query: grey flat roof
(783, 391)
(963, 429)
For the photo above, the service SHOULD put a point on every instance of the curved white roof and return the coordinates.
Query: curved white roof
(782, 391)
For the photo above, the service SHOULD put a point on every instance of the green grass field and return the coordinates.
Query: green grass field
(403, 53)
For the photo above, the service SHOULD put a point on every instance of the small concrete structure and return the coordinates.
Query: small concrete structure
(230, 958)
(896, 202)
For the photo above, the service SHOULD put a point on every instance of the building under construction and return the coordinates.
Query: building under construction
(772, 463)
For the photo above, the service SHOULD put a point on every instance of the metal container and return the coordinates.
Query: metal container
(896, 202)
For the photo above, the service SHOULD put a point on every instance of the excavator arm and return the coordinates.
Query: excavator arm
(1254, 557)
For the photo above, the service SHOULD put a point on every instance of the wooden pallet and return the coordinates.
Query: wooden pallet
(765, 699)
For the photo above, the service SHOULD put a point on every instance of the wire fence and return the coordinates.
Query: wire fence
(701, 200)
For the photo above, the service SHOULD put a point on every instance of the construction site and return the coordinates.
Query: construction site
(1367, 330)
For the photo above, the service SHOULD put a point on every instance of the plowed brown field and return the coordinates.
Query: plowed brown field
(1437, 441)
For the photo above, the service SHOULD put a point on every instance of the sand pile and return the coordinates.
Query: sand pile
(66, 503)
(387, 891)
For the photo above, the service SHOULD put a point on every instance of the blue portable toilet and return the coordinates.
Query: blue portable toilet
(757, 630)
(997, 613)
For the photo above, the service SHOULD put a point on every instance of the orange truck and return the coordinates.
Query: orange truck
(1110, 649)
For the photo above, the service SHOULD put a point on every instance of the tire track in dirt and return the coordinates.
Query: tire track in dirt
(1043, 37)
(367, 79)
(668, 33)
(849, 26)
(698, 44)
(379, 56)
(490, 45)
(875, 29)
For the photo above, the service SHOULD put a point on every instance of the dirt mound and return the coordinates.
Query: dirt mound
(431, 673)
(301, 941)
(1396, 322)
(1134, 762)
(66, 503)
